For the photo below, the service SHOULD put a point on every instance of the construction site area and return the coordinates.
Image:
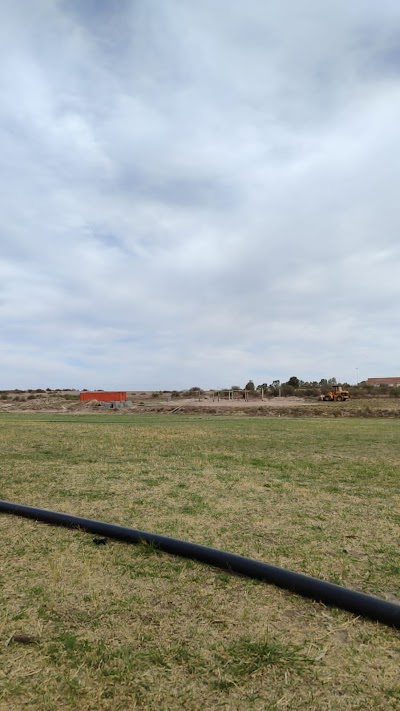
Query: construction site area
(196, 402)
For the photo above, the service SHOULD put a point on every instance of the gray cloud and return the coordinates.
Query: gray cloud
(198, 193)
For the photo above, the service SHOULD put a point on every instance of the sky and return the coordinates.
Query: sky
(198, 193)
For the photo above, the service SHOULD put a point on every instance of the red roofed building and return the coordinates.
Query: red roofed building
(383, 381)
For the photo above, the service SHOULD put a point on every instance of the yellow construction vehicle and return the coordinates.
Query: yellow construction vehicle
(336, 394)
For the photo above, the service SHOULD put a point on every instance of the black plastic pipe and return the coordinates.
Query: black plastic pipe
(319, 590)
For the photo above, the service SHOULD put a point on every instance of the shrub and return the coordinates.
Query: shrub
(394, 392)
(288, 390)
(308, 392)
(254, 394)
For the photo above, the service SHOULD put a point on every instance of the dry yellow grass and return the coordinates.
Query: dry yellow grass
(124, 627)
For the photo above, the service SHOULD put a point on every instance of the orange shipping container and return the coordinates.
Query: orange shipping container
(103, 396)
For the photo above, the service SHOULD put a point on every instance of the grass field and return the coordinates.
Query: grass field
(126, 627)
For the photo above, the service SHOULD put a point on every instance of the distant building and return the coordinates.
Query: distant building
(102, 396)
(384, 381)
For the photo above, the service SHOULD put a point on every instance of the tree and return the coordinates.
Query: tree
(293, 381)
(274, 388)
(250, 386)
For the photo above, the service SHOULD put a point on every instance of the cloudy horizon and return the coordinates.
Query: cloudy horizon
(196, 194)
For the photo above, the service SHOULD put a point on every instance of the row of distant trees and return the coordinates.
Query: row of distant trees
(293, 386)
(300, 388)
(303, 388)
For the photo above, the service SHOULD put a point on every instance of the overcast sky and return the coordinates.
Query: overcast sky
(198, 193)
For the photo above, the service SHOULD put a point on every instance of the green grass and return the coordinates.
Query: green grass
(129, 627)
